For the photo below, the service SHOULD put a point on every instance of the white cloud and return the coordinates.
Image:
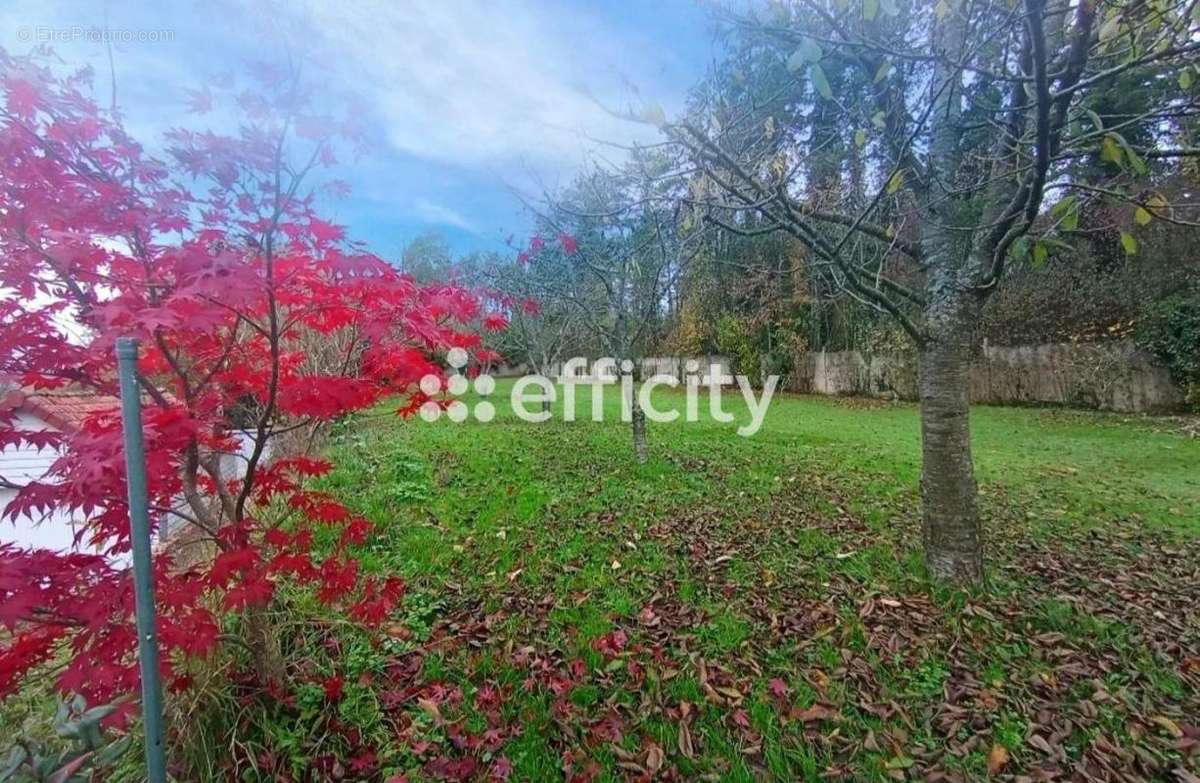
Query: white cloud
(460, 97)
(152, 75)
(479, 83)
(441, 215)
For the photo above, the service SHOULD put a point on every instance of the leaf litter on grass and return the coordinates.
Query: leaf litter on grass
(1081, 663)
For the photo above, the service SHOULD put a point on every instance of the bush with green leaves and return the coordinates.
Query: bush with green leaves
(86, 748)
(735, 341)
(1170, 329)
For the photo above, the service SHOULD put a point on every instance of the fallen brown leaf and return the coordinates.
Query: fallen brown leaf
(654, 758)
(997, 758)
(815, 713)
(686, 748)
(1168, 725)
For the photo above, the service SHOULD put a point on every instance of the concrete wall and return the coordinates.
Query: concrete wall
(1108, 376)
(673, 366)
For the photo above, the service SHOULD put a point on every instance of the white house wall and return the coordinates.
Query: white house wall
(20, 465)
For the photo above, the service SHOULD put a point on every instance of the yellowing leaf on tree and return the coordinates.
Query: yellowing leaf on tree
(796, 61)
(860, 137)
(817, 75)
(1129, 243)
(1157, 205)
(1063, 206)
(884, 69)
(1066, 212)
(1135, 160)
(1020, 249)
(1110, 150)
(879, 119)
(1110, 27)
(809, 51)
(895, 182)
(870, 9)
(779, 165)
(1185, 78)
(1141, 216)
(1040, 254)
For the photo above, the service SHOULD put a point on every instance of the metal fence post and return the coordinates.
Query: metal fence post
(143, 577)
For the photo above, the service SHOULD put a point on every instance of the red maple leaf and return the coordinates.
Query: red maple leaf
(333, 687)
(495, 322)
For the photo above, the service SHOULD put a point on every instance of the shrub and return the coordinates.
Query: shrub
(254, 314)
(1170, 330)
(735, 342)
(82, 751)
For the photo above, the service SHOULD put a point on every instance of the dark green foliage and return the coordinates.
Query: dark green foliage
(1170, 329)
(85, 749)
(734, 341)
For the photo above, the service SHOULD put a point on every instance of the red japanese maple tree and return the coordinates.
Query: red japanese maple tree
(255, 316)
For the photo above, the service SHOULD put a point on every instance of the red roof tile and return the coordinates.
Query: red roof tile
(65, 410)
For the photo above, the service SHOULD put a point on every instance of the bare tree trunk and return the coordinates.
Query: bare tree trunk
(637, 416)
(264, 647)
(949, 495)
(639, 431)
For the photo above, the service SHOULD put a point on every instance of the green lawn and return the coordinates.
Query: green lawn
(755, 608)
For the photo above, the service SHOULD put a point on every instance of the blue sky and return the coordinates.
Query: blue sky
(466, 99)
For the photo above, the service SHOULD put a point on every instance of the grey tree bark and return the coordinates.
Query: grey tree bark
(950, 524)
(637, 416)
(639, 431)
